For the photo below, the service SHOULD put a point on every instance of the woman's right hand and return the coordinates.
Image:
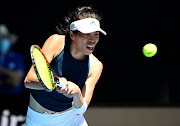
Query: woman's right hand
(62, 90)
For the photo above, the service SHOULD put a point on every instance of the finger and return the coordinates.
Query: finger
(63, 79)
(64, 88)
(62, 82)
(62, 92)
(55, 85)
(60, 89)
(69, 92)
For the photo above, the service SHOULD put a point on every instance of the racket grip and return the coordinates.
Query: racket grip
(61, 84)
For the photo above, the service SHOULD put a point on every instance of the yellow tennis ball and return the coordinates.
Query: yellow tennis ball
(149, 50)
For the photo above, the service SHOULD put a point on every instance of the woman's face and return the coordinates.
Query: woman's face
(84, 43)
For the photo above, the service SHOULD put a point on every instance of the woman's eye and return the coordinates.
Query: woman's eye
(96, 33)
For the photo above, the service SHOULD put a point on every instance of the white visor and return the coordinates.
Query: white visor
(86, 26)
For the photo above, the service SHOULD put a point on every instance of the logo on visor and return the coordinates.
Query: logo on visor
(92, 23)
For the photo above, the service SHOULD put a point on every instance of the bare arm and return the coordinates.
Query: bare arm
(96, 68)
(50, 49)
(31, 81)
(88, 89)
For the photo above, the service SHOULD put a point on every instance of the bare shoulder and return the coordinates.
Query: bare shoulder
(55, 40)
(54, 44)
(96, 65)
(95, 61)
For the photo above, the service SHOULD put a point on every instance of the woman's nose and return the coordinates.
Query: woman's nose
(92, 38)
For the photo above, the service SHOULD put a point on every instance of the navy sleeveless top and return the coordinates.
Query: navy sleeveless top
(73, 70)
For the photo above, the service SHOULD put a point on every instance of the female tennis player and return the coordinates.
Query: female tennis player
(70, 55)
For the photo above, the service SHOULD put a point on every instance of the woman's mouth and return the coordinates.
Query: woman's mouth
(90, 47)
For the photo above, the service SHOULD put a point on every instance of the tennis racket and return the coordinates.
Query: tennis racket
(44, 72)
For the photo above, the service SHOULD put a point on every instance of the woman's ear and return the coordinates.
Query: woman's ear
(72, 36)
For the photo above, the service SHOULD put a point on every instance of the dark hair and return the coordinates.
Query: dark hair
(80, 12)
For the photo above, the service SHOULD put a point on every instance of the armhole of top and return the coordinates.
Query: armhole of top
(63, 45)
(61, 49)
(89, 64)
(60, 55)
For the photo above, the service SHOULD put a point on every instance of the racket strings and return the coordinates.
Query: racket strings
(43, 69)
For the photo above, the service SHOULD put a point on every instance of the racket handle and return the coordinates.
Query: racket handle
(61, 84)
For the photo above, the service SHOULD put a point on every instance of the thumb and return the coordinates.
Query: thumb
(63, 79)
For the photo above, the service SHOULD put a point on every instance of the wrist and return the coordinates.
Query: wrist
(80, 110)
(77, 94)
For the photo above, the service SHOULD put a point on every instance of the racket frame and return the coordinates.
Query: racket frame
(53, 75)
